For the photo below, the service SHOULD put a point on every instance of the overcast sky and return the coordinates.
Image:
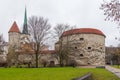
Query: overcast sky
(82, 13)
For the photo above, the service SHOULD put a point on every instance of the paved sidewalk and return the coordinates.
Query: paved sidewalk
(113, 70)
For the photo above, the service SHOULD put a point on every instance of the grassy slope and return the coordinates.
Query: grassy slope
(116, 66)
(52, 73)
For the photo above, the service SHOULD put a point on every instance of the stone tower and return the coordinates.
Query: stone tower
(14, 36)
(86, 46)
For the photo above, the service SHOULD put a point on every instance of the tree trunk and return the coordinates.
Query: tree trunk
(36, 60)
(61, 60)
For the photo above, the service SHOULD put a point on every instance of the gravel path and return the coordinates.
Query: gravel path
(113, 70)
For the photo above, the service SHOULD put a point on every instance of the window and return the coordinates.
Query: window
(89, 47)
(88, 63)
(81, 39)
(75, 47)
(101, 48)
(81, 55)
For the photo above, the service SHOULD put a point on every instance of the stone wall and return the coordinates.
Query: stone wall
(24, 38)
(43, 59)
(14, 39)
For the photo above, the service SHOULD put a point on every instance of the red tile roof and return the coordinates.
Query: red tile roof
(14, 28)
(83, 31)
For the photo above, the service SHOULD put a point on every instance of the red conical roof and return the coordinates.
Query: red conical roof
(14, 28)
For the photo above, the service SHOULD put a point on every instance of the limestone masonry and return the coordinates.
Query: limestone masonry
(86, 46)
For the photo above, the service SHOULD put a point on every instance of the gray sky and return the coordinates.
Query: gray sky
(82, 13)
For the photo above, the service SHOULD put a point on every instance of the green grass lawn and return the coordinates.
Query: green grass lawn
(53, 73)
(116, 66)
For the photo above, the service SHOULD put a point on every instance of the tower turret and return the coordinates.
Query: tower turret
(14, 35)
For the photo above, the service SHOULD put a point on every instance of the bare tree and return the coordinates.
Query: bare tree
(39, 29)
(3, 61)
(11, 56)
(117, 56)
(2, 43)
(111, 10)
(60, 28)
(44, 62)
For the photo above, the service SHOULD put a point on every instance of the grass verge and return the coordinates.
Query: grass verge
(53, 73)
(116, 66)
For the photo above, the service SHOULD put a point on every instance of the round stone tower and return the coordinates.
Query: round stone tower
(86, 46)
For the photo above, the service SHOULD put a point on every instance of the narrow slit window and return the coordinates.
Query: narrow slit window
(81, 55)
(81, 39)
(89, 47)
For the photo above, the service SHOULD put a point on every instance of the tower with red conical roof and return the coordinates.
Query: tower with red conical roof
(14, 35)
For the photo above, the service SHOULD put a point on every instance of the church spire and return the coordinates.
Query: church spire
(25, 16)
(25, 27)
